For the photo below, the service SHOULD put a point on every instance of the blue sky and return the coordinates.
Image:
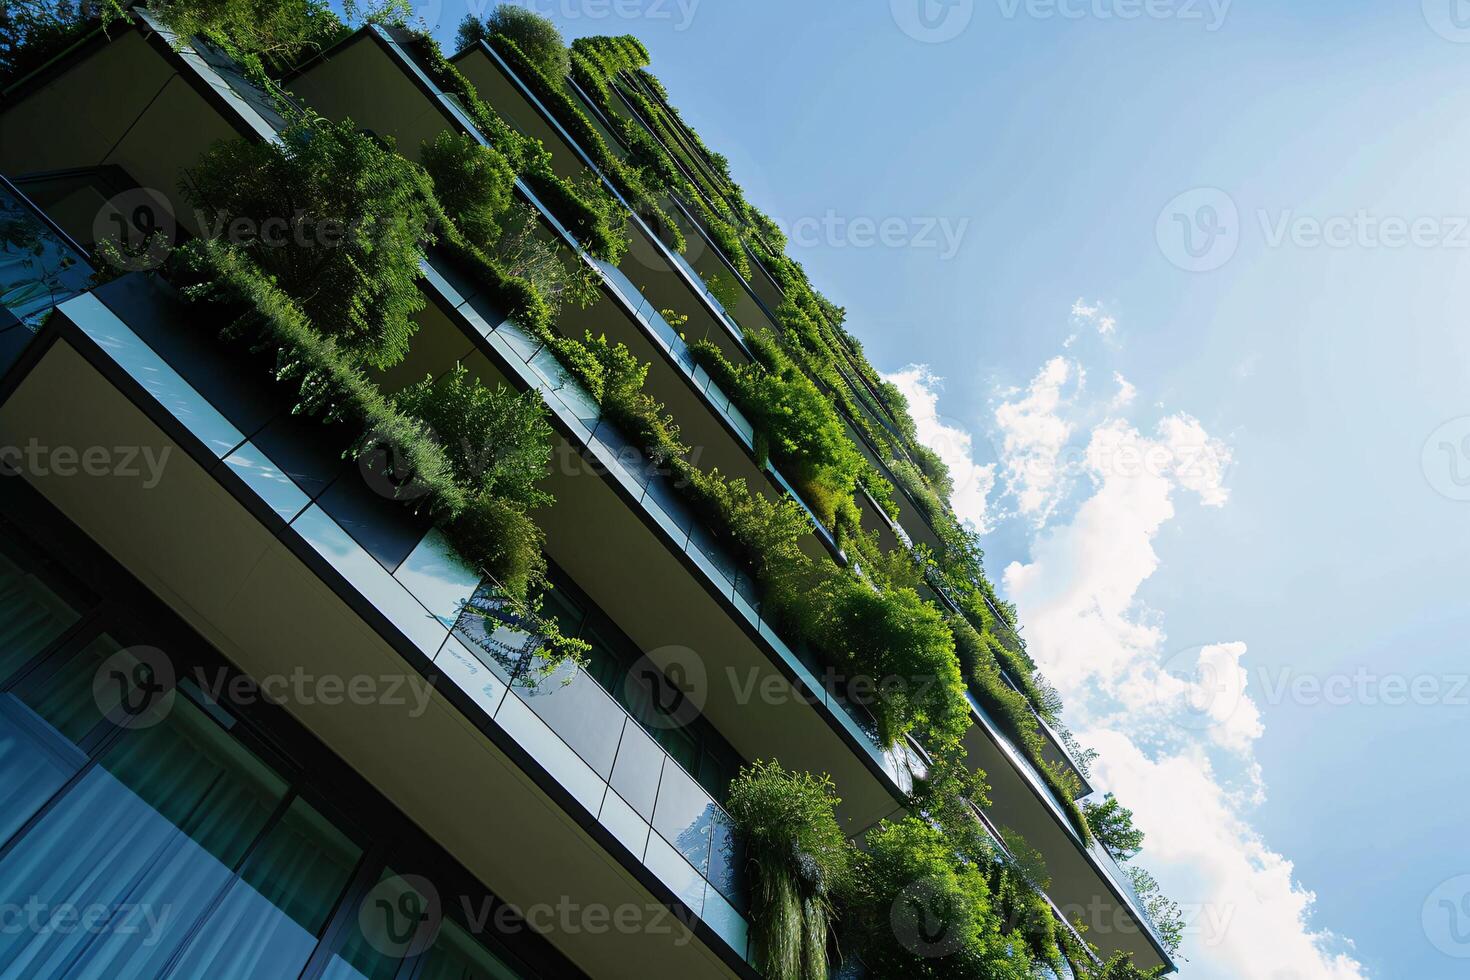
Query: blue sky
(1302, 527)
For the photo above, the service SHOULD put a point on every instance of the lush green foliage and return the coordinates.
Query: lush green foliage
(533, 34)
(552, 93)
(34, 31)
(338, 221)
(498, 442)
(794, 423)
(330, 383)
(590, 213)
(473, 182)
(800, 861)
(1112, 825)
(926, 911)
(903, 645)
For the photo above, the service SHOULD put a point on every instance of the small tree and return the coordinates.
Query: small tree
(1112, 824)
(473, 182)
(536, 36)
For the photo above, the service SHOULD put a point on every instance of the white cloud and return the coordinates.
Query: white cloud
(972, 481)
(1105, 323)
(1126, 392)
(1034, 433)
(1175, 727)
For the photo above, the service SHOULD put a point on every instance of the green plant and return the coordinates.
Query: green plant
(34, 31)
(799, 864)
(904, 645)
(794, 422)
(1112, 825)
(330, 385)
(925, 911)
(536, 36)
(278, 31)
(498, 442)
(335, 218)
(1164, 913)
(473, 182)
(498, 536)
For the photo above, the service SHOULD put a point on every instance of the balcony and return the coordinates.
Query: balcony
(1086, 883)
(324, 577)
(40, 266)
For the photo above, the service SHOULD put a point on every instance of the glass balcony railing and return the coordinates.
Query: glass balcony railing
(39, 266)
(652, 489)
(655, 807)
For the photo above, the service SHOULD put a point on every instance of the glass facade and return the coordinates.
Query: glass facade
(149, 830)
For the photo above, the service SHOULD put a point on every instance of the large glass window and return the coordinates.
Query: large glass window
(176, 840)
(32, 615)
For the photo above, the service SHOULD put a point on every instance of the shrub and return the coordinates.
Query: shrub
(925, 912)
(794, 422)
(473, 183)
(34, 31)
(338, 220)
(330, 385)
(536, 36)
(495, 535)
(278, 31)
(903, 643)
(498, 442)
(798, 862)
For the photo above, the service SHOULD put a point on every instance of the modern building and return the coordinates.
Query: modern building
(256, 718)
